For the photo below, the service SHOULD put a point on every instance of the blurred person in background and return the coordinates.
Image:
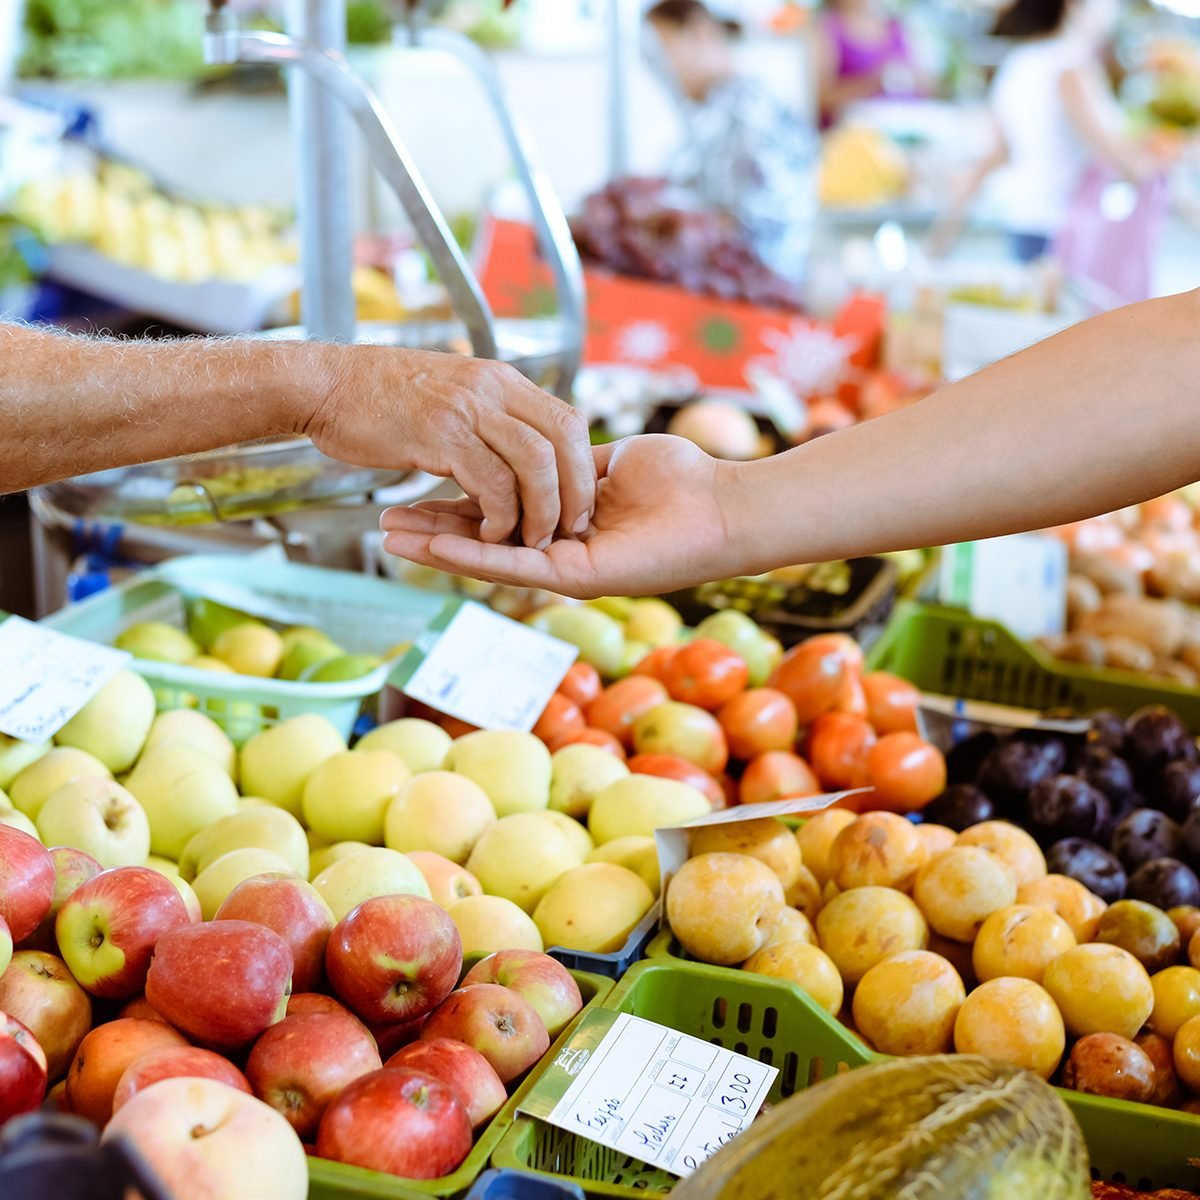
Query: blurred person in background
(745, 153)
(863, 52)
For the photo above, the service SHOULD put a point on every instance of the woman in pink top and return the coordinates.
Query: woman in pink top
(862, 51)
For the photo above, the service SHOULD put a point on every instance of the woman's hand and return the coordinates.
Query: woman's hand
(664, 515)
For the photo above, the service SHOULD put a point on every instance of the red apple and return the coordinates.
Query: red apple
(108, 928)
(141, 1008)
(390, 1038)
(540, 979)
(71, 869)
(102, 1058)
(471, 1076)
(394, 958)
(222, 982)
(22, 1069)
(398, 1121)
(316, 1002)
(502, 1026)
(176, 1062)
(26, 882)
(301, 1064)
(41, 993)
(296, 911)
(671, 766)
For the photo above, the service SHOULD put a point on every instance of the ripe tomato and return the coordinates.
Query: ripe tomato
(706, 673)
(852, 699)
(655, 663)
(812, 676)
(906, 771)
(838, 744)
(759, 720)
(581, 683)
(839, 643)
(777, 775)
(588, 736)
(671, 766)
(891, 703)
(559, 716)
(621, 703)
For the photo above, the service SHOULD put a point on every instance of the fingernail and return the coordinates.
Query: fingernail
(581, 525)
(544, 544)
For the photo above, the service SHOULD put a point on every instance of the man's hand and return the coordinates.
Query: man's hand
(663, 511)
(522, 457)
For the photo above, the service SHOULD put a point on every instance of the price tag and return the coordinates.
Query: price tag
(46, 677)
(484, 669)
(658, 1095)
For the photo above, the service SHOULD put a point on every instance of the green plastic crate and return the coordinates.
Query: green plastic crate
(763, 1018)
(338, 1181)
(361, 613)
(950, 653)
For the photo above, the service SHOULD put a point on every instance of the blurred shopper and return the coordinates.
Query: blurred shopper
(863, 52)
(744, 153)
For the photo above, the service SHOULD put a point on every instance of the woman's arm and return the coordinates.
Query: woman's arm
(950, 223)
(1088, 104)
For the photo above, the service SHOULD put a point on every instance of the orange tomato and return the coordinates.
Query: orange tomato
(581, 683)
(852, 699)
(655, 663)
(671, 766)
(759, 720)
(777, 775)
(812, 676)
(841, 643)
(906, 772)
(621, 703)
(838, 744)
(589, 736)
(559, 716)
(891, 702)
(706, 673)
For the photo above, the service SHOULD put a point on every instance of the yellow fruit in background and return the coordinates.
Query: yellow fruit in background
(863, 926)
(907, 1004)
(577, 773)
(277, 762)
(346, 798)
(639, 804)
(164, 866)
(112, 726)
(520, 856)
(790, 925)
(1176, 999)
(1011, 845)
(654, 622)
(765, 838)
(599, 638)
(1100, 989)
(190, 900)
(206, 662)
(421, 744)
(438, 811)
(805, 893)
(99, 817)
(1020, 940)
(637, 854)
(303, 657)
(263, 826)
(805, 965)
(346, 883)
(48, 773)
(195, 729)
(816, 837)
(593, 907)
(960, 888)
(1014, 1021)
(1068, 898)
(490, 923)
(157, 641)
(16, 755)
(576, 834)
(16, 819)
(251, 648)
(223, 874)
(328, 855)
(513, 768)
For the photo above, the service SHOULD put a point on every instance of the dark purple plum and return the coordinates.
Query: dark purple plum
(964, 759)
(960, 806)
(1107, 772)
(1178, 791)
(1066, 807)
(1191, 838)
(1090, 864)
(1155, 736)
(1165, 883)
(1146, 834)
(1013, 769)
(1108, 730)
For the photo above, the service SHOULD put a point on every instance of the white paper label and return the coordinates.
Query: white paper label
(46, 677)
(490, 671)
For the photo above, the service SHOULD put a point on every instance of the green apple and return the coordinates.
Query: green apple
(182, 789)
(250, 648)
(599, 638)
(372, 872)
(277, 762)
(640, 804)
(207, 620)
(576, 834)
(112, 726)
(487, 924)
(58, 766)
(164, 866)
(577, 773)
(763, 657)
(99, 817)
(326, 856)
(157, 641)
(636, 853)
(422, 744)
(513, 768)
(195, 729)
(731, 628)
(305, 656)
(346, 798)
(438, 811)
(264, 827)
(9, 815)
(342, 669)
(16, 755)
(190, 900)
(298, 635)
(521, 856)
(653, 621)
(223, 874)
(206, 662)
(633, 654)
(620, 608)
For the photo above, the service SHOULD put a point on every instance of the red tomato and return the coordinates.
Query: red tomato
(906, 771)
(777, 775)
(838, 744)
(891, 702)
(839, 643)
(621, 703)
(588, 736)
(706, 673)
(759, 720)
(671, 766)
(852, 699)
(812, 676)
(581, 683)
(559, 716)
(656, 663)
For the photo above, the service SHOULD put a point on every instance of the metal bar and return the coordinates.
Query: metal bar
(622, 47)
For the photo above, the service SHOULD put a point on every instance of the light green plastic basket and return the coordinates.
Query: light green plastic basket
(363, 614)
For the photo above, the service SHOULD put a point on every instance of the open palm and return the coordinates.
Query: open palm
(658, 525)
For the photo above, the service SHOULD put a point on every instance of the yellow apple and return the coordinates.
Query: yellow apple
(636, 853)
(48, 773)
(277, 762)
(513, 768)
(422, 744)
(438, 811)
(654, 622)
(9, 815)
(99, 817)
(593, 907)
(251, 648)
(263, 826)
(576, 833)
(375, 871)
(190, 900)
(223, 874)
(164, 866)
(157, 641)
(640, 804)
(490, 923)
(520, 857)
(195, 729)
(112, 726)
(346, 798)
(182, 789)
(326, 856)
(577, 773)
(16, 755)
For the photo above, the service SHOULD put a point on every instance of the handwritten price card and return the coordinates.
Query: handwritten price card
(658, 1095)
(46, 677)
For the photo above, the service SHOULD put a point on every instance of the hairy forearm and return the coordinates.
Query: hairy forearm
(1100, 416)
(70, 405)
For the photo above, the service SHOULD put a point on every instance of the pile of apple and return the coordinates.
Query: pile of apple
(155, 1024)
(924, 940)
